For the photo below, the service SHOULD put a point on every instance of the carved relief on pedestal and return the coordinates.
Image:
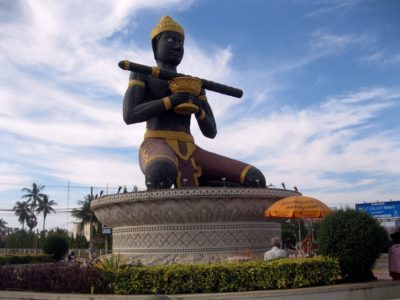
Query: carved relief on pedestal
(194, 238)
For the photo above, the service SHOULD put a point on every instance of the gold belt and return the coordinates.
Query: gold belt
(169, 135)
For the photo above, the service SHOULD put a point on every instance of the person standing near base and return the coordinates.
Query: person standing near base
(275, 252)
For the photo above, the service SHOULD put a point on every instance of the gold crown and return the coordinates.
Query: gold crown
(166, 24)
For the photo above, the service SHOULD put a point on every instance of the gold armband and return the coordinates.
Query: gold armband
(203, 97)
(167, 103)
(135, 82)
(201, 116)
(155, 72)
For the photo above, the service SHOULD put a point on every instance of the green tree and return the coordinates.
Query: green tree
(23, 211)
(20, 239)
(356, 239)
(80, 241)
(56, 244)
(34, 194)
(45, 207)
(84, 214)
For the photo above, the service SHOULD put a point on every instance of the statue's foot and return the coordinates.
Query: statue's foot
(160, 174)
(254, 178)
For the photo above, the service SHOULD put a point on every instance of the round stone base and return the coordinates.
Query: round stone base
(193, 225)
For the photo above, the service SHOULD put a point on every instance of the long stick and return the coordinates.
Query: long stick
(168, 75)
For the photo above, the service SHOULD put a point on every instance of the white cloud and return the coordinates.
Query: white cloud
(326, 42)
(12, 172)
(303, 147)
(383, 57)
(328, 7)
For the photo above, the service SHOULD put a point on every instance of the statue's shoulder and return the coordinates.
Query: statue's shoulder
(138, 76)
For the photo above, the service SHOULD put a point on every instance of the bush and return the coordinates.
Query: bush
(57, 277)
(356, 239)
(111, 263)
(56, 245)
(21, 239)
(25, 259)
(228, 277)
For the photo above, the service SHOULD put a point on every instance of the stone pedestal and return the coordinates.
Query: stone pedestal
(193, 225)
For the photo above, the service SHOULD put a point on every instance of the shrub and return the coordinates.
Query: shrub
(109, 266)
(25, 259)
(225, 277)
(356, 239)
(57, 277)
(110, 263)
(56, 245)
(21, 239)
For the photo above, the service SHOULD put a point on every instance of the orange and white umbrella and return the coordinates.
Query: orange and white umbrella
(298, 207)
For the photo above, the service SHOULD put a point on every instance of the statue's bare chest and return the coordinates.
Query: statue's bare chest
(157, 88)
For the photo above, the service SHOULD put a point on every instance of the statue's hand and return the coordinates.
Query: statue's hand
(179, 98)
(196, 101)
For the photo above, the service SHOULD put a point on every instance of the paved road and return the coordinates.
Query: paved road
(381, 268)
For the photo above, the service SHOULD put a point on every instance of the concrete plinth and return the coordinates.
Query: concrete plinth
(193, 225)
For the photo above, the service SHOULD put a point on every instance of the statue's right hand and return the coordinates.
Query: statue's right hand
(179, 98)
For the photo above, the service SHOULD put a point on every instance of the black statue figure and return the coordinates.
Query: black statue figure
(168, 155)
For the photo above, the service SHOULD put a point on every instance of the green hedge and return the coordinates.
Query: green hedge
(25, 259)
(228, 277)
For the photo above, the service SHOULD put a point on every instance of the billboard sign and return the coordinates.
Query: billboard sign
(389, 209)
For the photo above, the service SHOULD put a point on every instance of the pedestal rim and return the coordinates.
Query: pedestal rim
(183, 193)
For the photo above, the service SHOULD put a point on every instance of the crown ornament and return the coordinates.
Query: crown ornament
(166, 24)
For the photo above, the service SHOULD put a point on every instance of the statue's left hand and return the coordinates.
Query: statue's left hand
(196, 101)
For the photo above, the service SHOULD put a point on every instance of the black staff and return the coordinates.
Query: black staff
(168, 75)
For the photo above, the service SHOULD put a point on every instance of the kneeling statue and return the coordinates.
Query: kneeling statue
(168, 155)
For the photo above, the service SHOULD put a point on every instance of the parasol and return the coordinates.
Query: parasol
(298, 207)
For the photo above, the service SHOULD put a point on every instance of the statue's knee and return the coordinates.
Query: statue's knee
(160, 174)
(254, 178)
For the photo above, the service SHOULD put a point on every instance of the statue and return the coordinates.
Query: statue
(168, 155)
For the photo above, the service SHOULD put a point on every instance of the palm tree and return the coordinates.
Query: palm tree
(33, 194)
(84, 214)
(22, 211)
(3, 226)
(2, 223)
(31, 221)
(45, 206)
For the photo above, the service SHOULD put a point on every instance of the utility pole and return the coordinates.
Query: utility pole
(68, 207)
(37, 241)
(91, 218)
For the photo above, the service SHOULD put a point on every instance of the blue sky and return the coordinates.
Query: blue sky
(320, 110)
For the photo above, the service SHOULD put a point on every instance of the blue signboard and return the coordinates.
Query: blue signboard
(390, 209)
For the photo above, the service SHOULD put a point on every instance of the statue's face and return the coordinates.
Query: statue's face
(170, 48)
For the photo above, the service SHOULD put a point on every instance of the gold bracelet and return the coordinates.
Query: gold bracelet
(167, 103)
(203, 97)
(202, 115)
(135, 82)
